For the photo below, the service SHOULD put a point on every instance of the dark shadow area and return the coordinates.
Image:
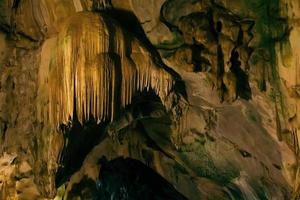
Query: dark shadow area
(79, 141)
(146, 102)
(200, 63)
(243, 87)
(16, 4)
(125, 179)
(220, 73)
(86, 190)
(129, 179)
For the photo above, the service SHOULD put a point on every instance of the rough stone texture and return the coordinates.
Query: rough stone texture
(235, 136)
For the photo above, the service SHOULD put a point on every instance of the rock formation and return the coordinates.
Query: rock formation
(158, 99)
(96, 68)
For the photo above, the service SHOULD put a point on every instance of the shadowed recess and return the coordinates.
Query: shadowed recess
(126, 178)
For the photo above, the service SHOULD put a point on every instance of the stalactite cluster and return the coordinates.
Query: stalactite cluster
(95, 70)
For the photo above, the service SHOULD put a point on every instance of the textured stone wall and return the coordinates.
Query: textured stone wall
(230, 133)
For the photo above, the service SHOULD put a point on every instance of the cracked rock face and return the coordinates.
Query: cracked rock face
(160, 99)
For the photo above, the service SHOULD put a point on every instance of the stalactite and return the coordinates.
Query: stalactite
(95, 73)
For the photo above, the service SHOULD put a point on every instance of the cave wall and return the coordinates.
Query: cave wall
(233, 135)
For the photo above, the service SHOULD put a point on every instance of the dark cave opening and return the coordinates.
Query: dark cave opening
(126, 179)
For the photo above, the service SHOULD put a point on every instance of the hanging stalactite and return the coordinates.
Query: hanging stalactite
(95, 69)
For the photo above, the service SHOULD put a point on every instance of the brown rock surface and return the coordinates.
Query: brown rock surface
(204, 95)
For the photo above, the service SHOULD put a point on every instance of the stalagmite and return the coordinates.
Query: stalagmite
(95, 70)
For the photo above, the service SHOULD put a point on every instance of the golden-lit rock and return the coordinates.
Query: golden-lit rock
(88, 91)
(94, 72)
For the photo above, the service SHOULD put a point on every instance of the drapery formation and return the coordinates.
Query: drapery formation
(96, 67)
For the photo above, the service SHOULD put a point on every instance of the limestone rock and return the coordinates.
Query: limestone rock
(201, 96)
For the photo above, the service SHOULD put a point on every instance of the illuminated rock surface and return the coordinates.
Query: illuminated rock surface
(158, 99)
